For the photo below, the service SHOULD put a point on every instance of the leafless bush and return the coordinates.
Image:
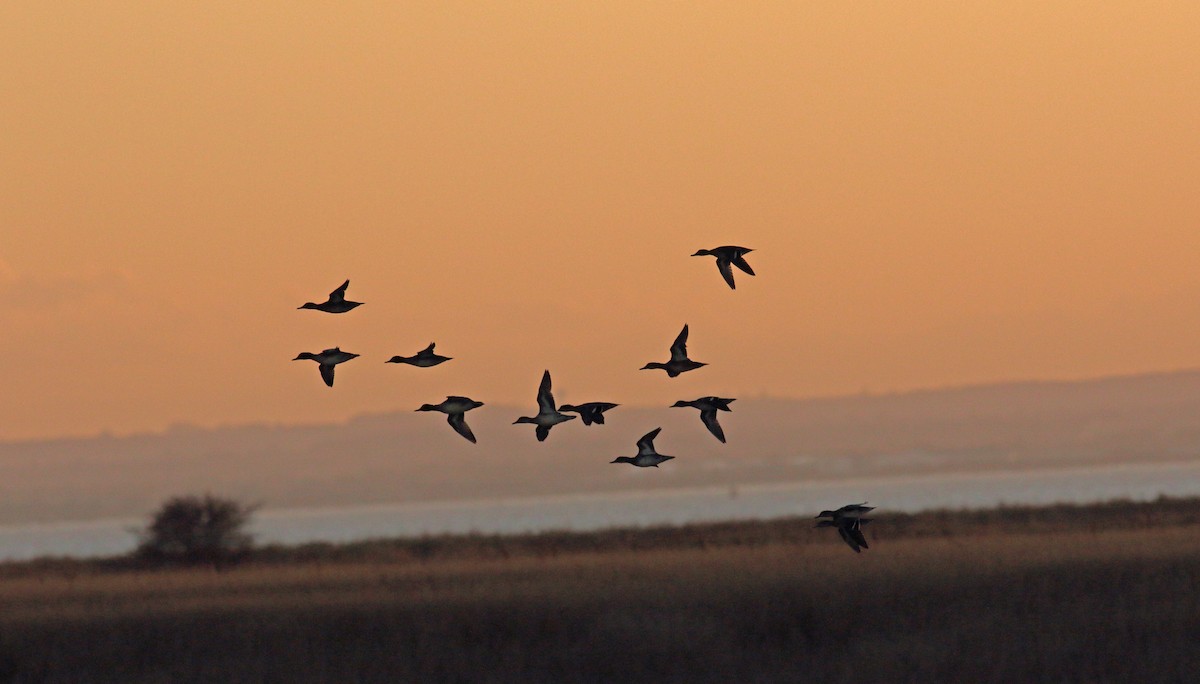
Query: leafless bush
(195, 530)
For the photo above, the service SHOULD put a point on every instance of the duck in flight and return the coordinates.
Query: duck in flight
(708, 412)
(425, 358)
(646, 457)
(337, 302)
(679, 363)
(591, 412)
(547, 416)
(849, 521)
(327, 360)
(728, 256)
(455, 408)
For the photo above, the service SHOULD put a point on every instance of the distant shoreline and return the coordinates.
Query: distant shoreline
(1114, 514)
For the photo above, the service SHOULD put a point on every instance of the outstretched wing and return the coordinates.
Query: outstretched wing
(726, 272)
(847, 537)
(542, 433)
(459, 423)
(427, 350)
(679, 347)
(339, 295)
(740, 262)
(710, 422)
(327, 373)
(645, 445)
(854, 531)
(545, 397)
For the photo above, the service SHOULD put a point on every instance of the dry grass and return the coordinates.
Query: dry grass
(1070, 595)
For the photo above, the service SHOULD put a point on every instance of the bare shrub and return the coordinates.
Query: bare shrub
(195, 530)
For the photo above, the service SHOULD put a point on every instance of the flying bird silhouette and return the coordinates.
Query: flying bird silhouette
(425, 358)
(327, 360)
(728, 256)
(708, 412)
(646, 457)
(679, 363)
(337, 302)
(849, 521)
(455, 408)
(547, 416)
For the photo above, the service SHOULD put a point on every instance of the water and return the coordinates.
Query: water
(638, 508)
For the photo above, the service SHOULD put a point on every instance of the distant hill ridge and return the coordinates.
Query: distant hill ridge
(407, 456)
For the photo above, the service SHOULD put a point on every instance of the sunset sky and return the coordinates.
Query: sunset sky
(938, 193)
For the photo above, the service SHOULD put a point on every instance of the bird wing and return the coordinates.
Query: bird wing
(545, 397)
(427, 350)
(645, 445)
(844, 531)
(679, 347)
(459, 423)
(542, 433)
(327, 373)
(740, 262)
(726, 272)
(855, 533)
(339, 295)
(710, 421)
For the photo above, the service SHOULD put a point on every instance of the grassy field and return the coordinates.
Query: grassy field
(1061, 594)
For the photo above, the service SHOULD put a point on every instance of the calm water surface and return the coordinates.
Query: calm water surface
(596, 511)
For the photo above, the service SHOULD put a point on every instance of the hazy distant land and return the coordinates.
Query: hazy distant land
(406, 456)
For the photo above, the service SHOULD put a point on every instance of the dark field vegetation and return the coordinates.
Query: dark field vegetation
(1102, 593)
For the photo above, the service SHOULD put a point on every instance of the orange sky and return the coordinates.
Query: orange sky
(938, 193)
